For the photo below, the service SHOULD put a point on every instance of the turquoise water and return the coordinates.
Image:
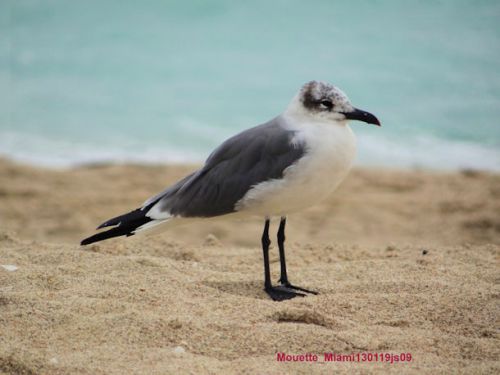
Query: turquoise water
(162, 81)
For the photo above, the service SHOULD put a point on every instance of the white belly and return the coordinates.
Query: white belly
(331, 149)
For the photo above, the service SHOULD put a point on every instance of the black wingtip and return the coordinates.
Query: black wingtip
(124, 225)
(89, 240)
(110, 223)
(114, 232)
(86, 241)
(126, 219)
(103, 225)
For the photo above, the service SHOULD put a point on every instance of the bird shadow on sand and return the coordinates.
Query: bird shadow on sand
(251, 289)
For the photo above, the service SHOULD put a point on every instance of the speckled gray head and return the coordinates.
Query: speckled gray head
(325, 101)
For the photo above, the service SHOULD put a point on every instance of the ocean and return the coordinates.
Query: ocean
(167, 81)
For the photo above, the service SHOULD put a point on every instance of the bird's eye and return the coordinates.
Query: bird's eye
(326, 104)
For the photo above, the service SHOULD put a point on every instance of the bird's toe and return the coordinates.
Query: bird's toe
(282, 293)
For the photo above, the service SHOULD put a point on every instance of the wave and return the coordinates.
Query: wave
(420, 152)
(426, 152)
(60, 153)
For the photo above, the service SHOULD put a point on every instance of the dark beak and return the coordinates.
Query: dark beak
(358, 114)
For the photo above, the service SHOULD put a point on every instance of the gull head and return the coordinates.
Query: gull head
(325, 102)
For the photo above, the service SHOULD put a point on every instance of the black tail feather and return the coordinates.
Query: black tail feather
(128, 217)
(114, 232)
(126, 225)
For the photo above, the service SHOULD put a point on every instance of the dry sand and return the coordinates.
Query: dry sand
(191, 301)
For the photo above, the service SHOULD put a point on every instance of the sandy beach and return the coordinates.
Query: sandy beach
(405, 262)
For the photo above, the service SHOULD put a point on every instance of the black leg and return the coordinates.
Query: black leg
(278, 293)
(281, 244)
(265, 249)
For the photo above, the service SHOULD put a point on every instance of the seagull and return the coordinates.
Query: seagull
(272, 170)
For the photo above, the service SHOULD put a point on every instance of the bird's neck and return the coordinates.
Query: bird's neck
(296, 112)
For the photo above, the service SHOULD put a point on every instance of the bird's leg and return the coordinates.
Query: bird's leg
(281, 244)
(278, 293)
(265, 248)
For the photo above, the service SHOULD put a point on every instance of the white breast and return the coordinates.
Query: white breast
(331, 149)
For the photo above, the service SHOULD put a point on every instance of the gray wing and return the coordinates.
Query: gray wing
(256, 155)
